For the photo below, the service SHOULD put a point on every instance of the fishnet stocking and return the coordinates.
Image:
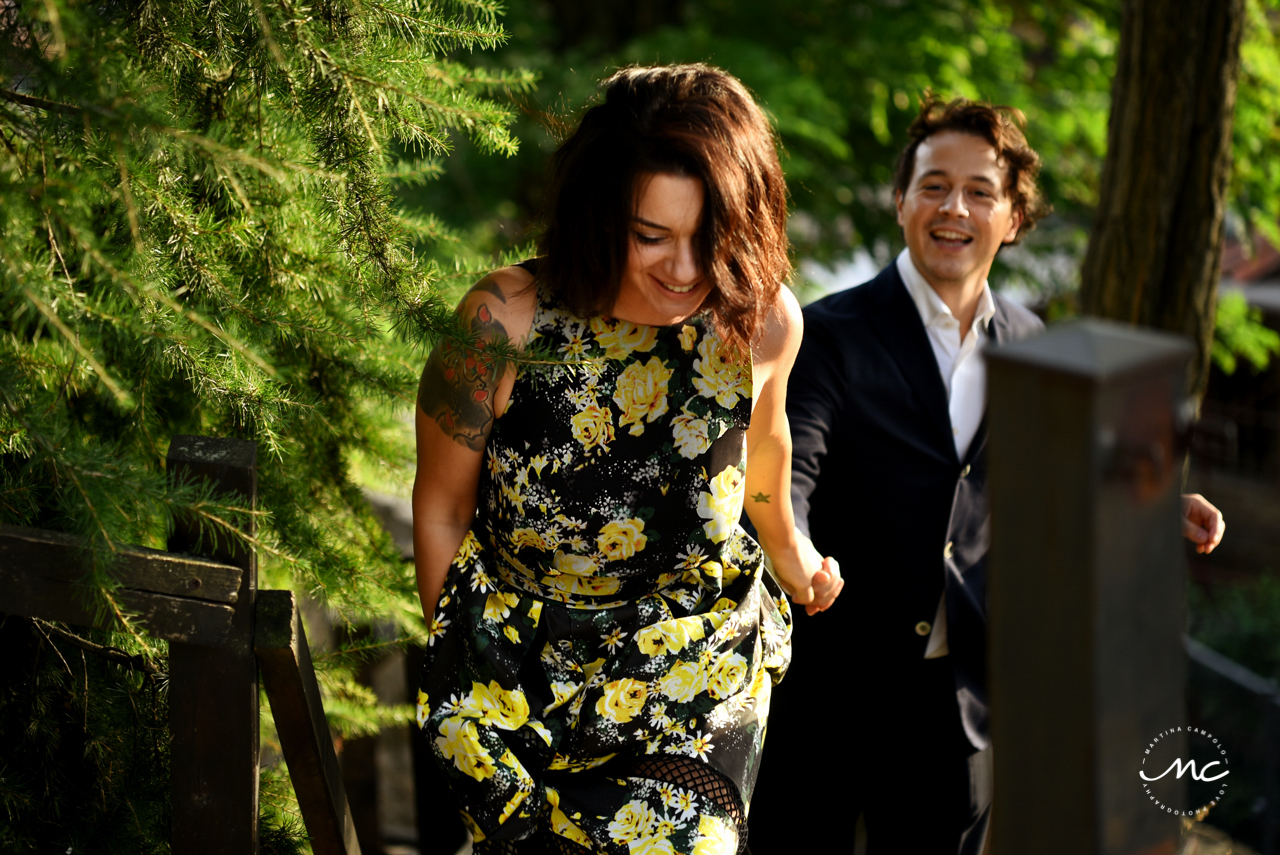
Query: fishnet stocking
(692, 775)
(697, 776)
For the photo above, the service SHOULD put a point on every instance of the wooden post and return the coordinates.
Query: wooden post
(290, 681)
(1087, 586)
(213, 691)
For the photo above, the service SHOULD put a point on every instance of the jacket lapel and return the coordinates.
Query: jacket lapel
(999, 333)
(902, 334)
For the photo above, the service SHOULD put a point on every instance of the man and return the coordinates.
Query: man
(886, 697)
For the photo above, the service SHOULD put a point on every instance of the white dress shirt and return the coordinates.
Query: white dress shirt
(964, 374)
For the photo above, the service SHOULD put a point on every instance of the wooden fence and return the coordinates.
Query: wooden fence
(202, 597)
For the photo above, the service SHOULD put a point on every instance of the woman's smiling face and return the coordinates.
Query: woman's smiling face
(663, 282)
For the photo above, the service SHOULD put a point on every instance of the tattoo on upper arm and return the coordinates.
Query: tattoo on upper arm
(458, 383)
(761, 497)
(489, 286)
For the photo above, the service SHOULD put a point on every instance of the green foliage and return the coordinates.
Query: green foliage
(200, 238)
(842, 81)
(1239, 332)
(1255, 180)
(200, 235)
(280, 830)
(1242, 622)
(85, 761)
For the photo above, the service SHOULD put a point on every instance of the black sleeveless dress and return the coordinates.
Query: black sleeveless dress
(607, 640)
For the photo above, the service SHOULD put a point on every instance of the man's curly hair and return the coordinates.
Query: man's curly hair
(999, 125)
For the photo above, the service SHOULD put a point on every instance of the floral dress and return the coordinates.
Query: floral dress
(606, 606)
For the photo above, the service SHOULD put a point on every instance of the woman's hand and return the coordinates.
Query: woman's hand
(811, 581)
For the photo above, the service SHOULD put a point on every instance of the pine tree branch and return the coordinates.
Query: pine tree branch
(138, 289)
(74, 340)
(111, 654)
(39, 103)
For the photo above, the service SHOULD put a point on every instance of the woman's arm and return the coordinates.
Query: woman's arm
(809, 579)
(461, 394)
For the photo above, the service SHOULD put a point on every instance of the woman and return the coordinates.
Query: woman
(603, 635)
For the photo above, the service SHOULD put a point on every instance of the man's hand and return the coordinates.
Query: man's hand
(827, 585)
(822, 587)
(1201, 523)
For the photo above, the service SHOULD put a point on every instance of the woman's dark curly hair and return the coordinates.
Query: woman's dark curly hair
(688, 120)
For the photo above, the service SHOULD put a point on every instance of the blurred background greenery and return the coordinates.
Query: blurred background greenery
(842, 81)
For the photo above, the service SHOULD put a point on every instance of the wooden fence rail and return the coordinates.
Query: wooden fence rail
(202, 597)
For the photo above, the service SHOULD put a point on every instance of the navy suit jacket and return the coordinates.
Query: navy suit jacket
(877, 484)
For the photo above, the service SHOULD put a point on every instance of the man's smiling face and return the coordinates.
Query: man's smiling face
(957, 212)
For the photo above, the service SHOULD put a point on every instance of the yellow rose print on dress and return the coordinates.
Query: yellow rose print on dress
(761, 692)
(727, 676)
(722, 507)
(621, 539)
(459, 741)
(573, 565)
(498, 606)
(683, 682)
(622, 700)
(715, 837)
(641, 393)
(632, 822)
(670, 636)
(472, 826)
(423, 709)
(568, 764)
(655, 845)
(568, 586)
(620, 338)
(524, 785)
(527, 537)
(469, 549)
(562, 825)
(718, 375)
(561, 694)
(593, 427)
(688, 335)
(495, 706)
(690, 434)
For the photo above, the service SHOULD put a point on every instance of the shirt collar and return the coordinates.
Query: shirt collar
(930, 305)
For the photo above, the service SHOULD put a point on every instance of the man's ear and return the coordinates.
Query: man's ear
(1016, 224)
(897, 202)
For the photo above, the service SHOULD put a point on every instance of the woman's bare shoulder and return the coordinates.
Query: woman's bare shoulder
(506, 296)
(779, 340)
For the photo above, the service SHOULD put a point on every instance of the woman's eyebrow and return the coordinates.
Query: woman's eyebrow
(642, 221)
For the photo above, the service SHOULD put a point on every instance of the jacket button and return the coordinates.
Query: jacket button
(924, 628)
(964, 473)
(948, 549)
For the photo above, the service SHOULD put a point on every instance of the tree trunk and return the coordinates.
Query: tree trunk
(1156, 246)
